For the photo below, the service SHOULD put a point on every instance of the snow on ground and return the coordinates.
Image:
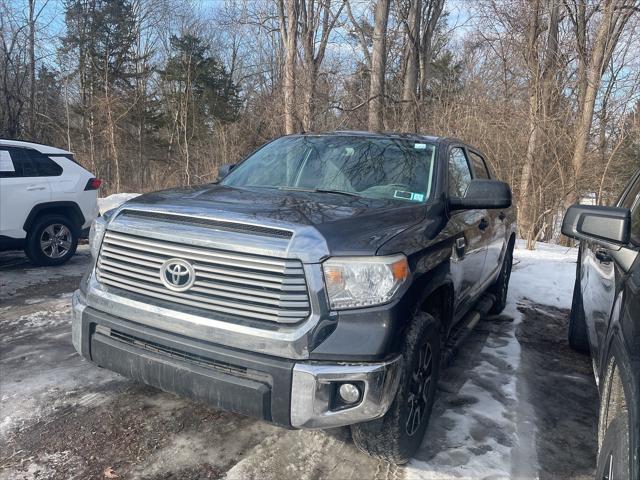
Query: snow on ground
(496, 407)
(13, 280)
(115, 200)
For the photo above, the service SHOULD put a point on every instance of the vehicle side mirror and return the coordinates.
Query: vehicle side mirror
(223, 170)
(593, 222)
(483, 194)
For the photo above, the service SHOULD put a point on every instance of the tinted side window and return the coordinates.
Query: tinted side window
(479, 166)
(29, 163)
(459, 173)
(44, 166)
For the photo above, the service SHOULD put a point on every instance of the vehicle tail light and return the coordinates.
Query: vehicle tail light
(93, 184)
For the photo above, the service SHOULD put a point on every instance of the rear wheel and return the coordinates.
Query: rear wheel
(396, 436)
(52, 240)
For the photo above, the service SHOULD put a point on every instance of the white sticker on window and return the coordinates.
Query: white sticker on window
(420, 146)
(6, 164)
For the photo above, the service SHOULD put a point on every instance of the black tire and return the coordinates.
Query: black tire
(613, 459)
(395, 437)
(578, 337)
(501, 287)
(63, 234)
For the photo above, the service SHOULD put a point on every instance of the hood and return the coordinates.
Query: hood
(344, 225)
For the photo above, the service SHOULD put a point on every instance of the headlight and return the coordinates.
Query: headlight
(363, 281)
(98, 227)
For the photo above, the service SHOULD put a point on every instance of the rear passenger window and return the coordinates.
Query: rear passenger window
(459, 173)
(30, 163)
(43, 165)
(479, 166)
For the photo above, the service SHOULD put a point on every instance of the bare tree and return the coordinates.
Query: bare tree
(378, 66)
(289, 15)
(615, 15)
(317, 20)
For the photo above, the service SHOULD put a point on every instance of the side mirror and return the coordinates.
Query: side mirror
(483, 194)
(592, 222)
(223, 170)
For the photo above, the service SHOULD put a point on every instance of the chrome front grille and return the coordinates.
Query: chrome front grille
(230, 283)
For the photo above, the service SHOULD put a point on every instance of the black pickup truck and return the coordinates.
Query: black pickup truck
(319, 283)
(605, 322)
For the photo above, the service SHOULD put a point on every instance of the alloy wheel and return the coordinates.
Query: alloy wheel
(419, 390)
(56, 240)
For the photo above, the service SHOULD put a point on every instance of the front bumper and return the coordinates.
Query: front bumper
(283, 391)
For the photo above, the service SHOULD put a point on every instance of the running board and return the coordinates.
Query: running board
(465, 327)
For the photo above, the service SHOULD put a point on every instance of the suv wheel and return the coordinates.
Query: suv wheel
(501, 288)
(52, 240)
(396, 436)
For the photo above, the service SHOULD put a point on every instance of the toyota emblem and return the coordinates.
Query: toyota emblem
(177, 275)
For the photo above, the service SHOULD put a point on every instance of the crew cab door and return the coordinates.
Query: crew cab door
(21, 188)
(469, 231)
(495, 234)
(602, 274)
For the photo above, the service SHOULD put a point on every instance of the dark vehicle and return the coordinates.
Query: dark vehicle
(318, 284)
(605, 320)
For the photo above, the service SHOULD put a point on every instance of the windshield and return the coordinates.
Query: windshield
(367, 167)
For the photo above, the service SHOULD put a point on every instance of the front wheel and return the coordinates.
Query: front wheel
(613, 460)
(52, 240)
(396, 436)
(501, 288)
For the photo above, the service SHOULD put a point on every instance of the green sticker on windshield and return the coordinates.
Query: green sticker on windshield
(416, 197)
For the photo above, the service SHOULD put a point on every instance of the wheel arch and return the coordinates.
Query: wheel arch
(66, 208)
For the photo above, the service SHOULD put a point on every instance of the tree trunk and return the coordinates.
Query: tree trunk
(615, 15)
(290, 30)
(525, 199)
(32, 69)
(426, 43)
(411, 59)
(378, 66)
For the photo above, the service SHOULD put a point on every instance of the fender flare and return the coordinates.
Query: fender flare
(76, 212)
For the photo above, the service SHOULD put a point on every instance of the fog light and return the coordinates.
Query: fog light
(349, 393)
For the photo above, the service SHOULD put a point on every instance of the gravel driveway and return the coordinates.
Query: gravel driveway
(515, 402)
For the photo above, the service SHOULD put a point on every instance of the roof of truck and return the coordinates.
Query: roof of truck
(395, 135)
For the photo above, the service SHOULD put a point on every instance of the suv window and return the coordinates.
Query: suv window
(7, 168)
(28, 163)
(459, 173)
(479, 166)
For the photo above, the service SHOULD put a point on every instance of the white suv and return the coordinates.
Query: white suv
(47, 200)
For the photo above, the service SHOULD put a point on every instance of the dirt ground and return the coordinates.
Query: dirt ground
(515, 402)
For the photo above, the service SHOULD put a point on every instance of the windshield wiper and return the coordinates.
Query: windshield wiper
(319, 190)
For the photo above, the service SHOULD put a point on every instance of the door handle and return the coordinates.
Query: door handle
(35, 187)
(483, 224)
(502, 216)
(603, 256)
